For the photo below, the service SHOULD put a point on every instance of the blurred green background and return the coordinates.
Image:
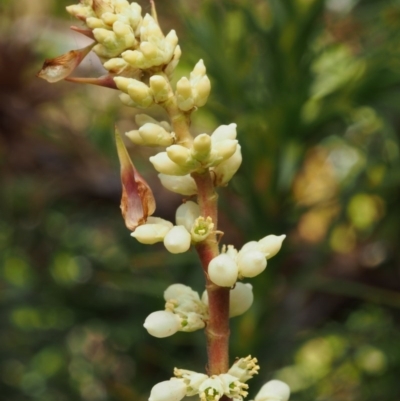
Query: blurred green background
(314, 87)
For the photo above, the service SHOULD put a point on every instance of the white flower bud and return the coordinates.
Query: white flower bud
(162, 324)
(274, 390)
(227, 169)
(271, 244)
(250, 246)
(155, 135)
(160, 88)
(184, 185)
(201, 147)
(175, 291)
(140, 93)
(169, 390)
(177, 240)
(224, 132)
(223, 271)
(179, 154)
(151, 233)
(186, 214)
(163, 164)
(251, 263)
(240, 299)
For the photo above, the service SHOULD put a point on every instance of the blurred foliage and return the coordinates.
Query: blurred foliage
(314, 87)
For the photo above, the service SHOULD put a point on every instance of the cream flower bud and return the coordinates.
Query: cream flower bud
(151, 233)
(240, 299)
(225, 149)
(177, 240)
(223, 271)
(201, 147)
(184, 185)
(160, 88)
(174, 62)
(179, 154)
(274, 390)
(80, 11)
(224, 132)
(175, 291)
(142, 119)
(202, 89)
(109, 18)
(271, 244)
(93, 23)
(186, 214)
(184, 94)
(227, 169)
(134, 135)
(123, 82)
(115, 65)
(251, 263)
(162, 324)
(140, 93)
(199, 70)
(250, 246)
(126, 100)
(170, 390)
(163, 164)
(155, 135)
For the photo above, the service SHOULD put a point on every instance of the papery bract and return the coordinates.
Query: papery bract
(59, 68)
(137, 202)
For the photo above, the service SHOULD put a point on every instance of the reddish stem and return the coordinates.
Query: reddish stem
(217, 330)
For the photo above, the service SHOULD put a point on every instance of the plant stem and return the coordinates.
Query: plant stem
(217, 330)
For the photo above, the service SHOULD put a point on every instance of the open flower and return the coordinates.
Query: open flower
(137, 202)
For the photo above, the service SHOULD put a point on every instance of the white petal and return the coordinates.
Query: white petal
(274, 390)
(175, 291)
(223, 271)
(271, 244)
(178, 240)
(184, 185)
(240, 300)
(251, 263)
(186, 214)
(169, 390)
(162, 324)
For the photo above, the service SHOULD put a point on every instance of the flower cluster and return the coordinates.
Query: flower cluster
(185, 311)
(208, 388)
(250, 261)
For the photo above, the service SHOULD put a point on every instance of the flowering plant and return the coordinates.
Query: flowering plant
(139, 61)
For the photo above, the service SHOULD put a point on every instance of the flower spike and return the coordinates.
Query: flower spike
(137, 202)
